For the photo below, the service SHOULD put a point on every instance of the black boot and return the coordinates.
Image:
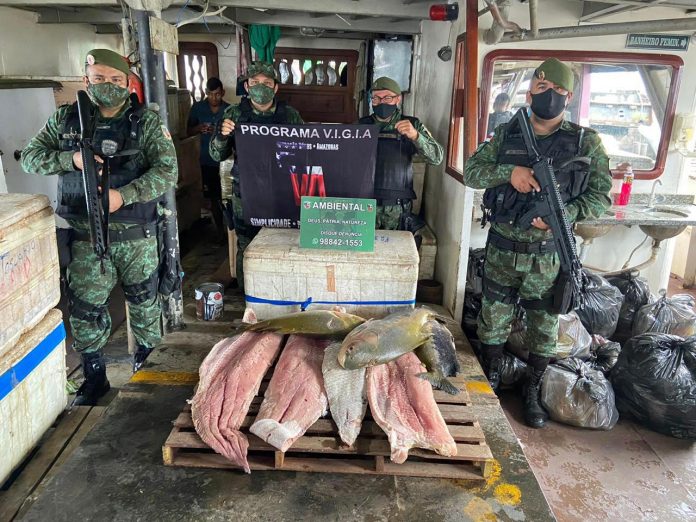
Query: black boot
(141, 354)
(535, 415)
(95, 384)
(492, 358)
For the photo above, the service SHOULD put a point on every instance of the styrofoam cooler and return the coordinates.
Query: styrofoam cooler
(29, 273)
(280, 277)
(32, 389)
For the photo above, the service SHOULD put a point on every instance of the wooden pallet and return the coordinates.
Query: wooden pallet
(321, 450)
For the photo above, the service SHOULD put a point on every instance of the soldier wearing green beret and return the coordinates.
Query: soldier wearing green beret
(260, 106)
(137, 182)
(521, 265)
(400, 138)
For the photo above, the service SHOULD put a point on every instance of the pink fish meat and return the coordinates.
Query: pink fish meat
(230, 377)
(295, 398)
(403, 405)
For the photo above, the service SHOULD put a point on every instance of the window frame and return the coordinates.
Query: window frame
(455, 139)
(675, 62)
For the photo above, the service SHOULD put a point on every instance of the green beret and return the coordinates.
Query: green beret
(557, 72)
(264, 68)
(107, 57)
(386, 84)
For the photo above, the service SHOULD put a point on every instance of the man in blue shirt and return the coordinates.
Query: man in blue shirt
(203, 117)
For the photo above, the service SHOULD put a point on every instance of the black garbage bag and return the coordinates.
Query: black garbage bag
(573, 338)
(575, 394)
(512, 370)
(517, 343)
(655, 382)
(603, 354)
(600, 314)
(670, 315)
(472, 308)
(636, 293)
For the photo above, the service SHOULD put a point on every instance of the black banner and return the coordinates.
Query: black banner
(278, 164)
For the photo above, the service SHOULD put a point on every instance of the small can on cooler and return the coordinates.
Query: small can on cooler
(209, 304)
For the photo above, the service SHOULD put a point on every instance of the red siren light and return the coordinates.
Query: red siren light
(444, 12)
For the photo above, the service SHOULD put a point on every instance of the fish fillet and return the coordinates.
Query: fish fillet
(295, 397)
(230, 377)
(347, 394)
(404, 407)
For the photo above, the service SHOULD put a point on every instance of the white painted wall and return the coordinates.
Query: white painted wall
(28, 49)
(447, 202)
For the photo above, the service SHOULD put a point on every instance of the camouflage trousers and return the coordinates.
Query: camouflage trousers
(533, 275)
(135, 264)
(245, 234)
(389, 216)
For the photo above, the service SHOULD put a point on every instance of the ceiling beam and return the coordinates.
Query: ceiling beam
(90, 15)
(296, 19)
(215, 29)
(679, 4)
(594, 10)
(390, 8)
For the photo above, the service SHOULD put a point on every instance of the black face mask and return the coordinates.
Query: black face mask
(548, 104)
(384, 110)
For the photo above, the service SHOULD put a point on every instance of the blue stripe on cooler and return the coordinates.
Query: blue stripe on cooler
(20, 371)
(305, 304)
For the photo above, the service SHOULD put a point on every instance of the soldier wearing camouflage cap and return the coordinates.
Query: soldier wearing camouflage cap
(260, 106)
(400, 138)
(522, 266)
(137, 183)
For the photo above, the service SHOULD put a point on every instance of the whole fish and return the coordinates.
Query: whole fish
(439, 356)
(382, 340)
(316, 323)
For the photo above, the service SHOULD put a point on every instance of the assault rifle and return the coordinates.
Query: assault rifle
(94, 181)
(548, 205)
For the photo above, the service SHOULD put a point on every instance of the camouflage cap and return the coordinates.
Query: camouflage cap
(386, 84)
(264, 68)
(107, 57)
(557, 72)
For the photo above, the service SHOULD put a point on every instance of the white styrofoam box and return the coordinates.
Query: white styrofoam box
(32, 389)
(29, 273)
(277, 269)
(427, 252)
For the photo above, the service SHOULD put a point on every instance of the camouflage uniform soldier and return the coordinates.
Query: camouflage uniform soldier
(400, 138)
(138, 181)
(259, 107)
(521, 262)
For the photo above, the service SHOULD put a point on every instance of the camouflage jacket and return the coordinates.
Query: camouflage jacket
(426, 145)
(42, 155)
(482, 171)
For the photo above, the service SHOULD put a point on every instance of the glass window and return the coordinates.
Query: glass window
(627, 100)
(392, 58)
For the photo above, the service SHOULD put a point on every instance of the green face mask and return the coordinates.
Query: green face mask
(107, 94)
(261, 94)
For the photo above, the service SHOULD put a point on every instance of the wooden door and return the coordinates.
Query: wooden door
(197, 61)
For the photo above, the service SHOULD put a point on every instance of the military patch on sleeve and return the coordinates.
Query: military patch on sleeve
(166, 133)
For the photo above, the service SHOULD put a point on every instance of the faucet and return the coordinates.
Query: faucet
(651, 200)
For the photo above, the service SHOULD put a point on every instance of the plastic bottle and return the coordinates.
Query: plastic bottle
(625, 195)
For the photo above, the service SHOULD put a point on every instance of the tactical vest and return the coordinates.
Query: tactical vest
(125, 130)
(247, 115)
(394, 166)
(503, 204)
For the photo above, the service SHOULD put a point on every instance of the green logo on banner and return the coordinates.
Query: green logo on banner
(338, 224)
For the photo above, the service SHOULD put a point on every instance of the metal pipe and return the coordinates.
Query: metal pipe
(653, 26)
(154, 83)
(533, 21)
(499, 11)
